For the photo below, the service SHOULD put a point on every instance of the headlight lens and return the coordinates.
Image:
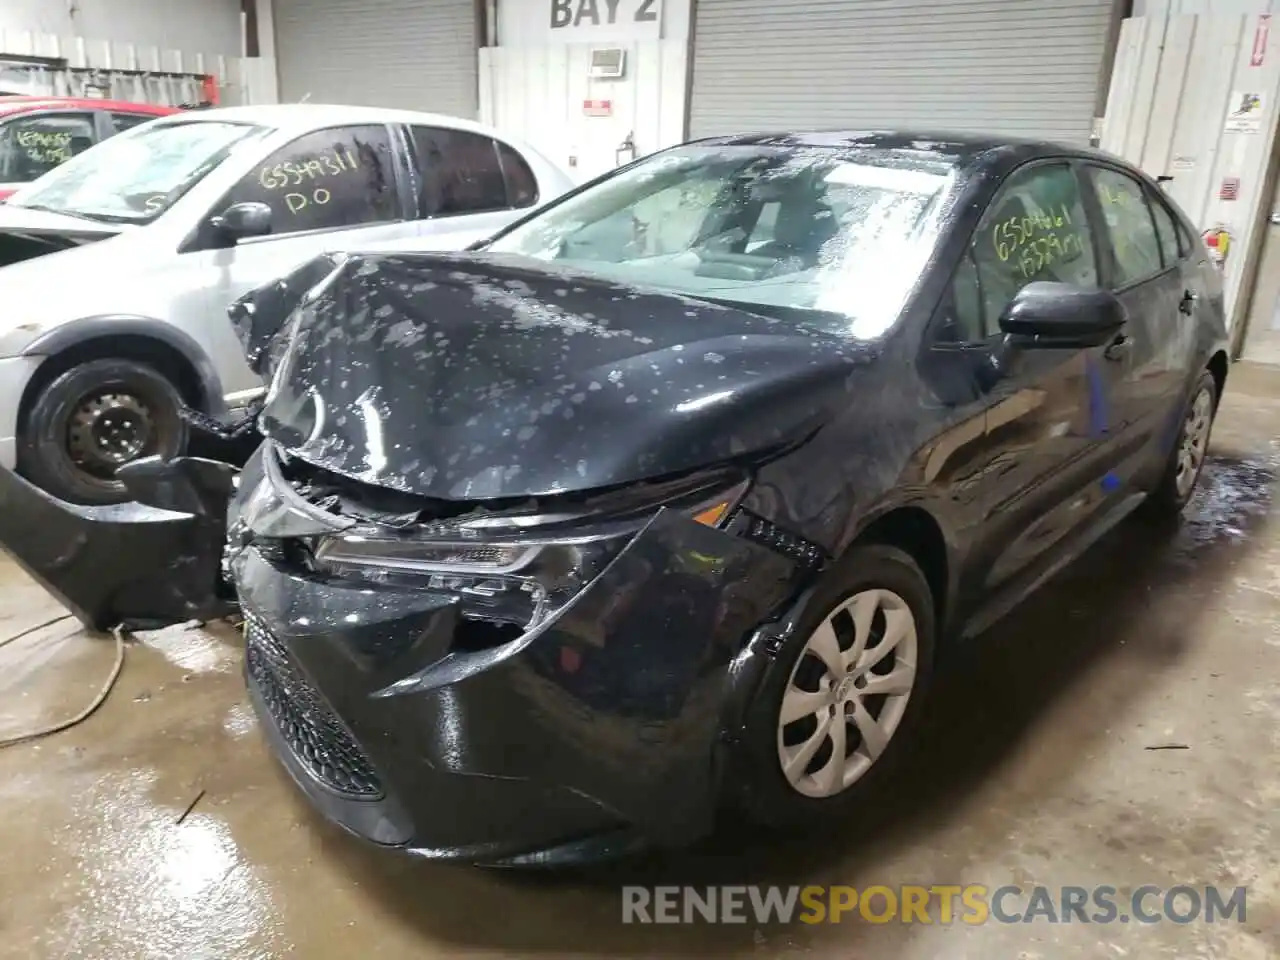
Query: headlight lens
(412, 556)
(516, 569)
(508, 545)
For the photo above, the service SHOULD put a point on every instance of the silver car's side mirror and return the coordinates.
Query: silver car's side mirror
(242, 220)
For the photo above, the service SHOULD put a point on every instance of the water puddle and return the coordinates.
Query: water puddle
(1233, 498)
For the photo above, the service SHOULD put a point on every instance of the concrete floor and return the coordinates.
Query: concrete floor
(1034, 771)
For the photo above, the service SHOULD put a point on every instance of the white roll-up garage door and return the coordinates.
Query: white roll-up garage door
(413, 54)
(1016, 67)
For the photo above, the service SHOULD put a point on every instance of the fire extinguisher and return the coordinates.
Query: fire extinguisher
(1218, 240)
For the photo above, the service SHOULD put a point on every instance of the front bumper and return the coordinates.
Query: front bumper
(608, 725)
(599, 729)
(150, 562)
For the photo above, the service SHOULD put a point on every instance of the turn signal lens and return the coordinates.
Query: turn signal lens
(711, 516)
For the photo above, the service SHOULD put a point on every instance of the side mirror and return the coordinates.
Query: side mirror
(1046, 314)
(242, 220)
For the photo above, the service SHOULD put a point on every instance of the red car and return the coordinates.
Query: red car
(38, 133)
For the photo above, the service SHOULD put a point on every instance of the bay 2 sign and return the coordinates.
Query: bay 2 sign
(591, 21)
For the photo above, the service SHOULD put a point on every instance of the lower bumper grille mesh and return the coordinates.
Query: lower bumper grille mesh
(316, 736)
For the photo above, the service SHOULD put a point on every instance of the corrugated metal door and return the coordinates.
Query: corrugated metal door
(413, 54)
(1017, 67)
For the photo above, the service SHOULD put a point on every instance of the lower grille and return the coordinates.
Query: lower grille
(315, 735)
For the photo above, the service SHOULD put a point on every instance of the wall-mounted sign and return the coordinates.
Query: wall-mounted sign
(592, 21)
(1244, 112)
(1260, 37)
(597, 108)
(1230, 189)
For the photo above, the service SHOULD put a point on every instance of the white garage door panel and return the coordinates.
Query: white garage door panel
(414, 54)
(1019, 67)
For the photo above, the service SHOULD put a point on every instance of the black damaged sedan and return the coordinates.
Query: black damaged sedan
(666, 499)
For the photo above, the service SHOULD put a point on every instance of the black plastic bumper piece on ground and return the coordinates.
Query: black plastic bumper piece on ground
(143, 564)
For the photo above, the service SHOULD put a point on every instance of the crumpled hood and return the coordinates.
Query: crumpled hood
(470, 377)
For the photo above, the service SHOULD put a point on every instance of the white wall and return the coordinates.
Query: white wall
(198, 26)
(1153, 8)
(1176, 79)
(535, 82)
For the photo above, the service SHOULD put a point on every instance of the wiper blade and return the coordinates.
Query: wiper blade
(91, 217)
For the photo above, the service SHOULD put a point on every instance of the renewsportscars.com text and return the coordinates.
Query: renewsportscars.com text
(936, 903)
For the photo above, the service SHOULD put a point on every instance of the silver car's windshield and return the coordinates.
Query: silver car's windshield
(841, 232)
(136, 176)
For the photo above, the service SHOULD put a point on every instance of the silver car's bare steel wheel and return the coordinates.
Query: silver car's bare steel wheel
(847, 693)
(1194, 442)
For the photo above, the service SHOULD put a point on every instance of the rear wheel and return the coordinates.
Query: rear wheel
(1182, 472)
(94, 418)
(841, 704)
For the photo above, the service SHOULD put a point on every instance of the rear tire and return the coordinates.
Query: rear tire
(876, 606)
(1186, 461)
(93, 418)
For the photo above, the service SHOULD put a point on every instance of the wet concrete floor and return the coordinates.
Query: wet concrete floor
(1035, 770)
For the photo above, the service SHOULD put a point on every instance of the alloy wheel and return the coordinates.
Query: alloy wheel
(847, 693)
(1194, 442)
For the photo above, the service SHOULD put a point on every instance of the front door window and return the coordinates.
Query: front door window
(326, 180)
(1035, 229)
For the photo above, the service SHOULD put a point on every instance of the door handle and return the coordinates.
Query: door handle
(1119, 348)
(1188, 303)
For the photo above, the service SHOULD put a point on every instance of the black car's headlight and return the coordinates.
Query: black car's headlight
(513, 567)
(350, 551)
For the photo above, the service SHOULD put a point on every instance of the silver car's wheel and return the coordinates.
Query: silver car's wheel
(847, 693)
(1194, 442)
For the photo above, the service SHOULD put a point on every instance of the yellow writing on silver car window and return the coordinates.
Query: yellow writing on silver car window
(297, 202)
(334, 163)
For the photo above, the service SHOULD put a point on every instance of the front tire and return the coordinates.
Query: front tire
(92, 419)
(841, 704)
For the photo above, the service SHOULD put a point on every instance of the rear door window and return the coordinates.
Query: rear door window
(1128, 225)
(1171, 248)
(522, 185)
(458, 172)
(31, 146)
(326, 180)
(120, 122)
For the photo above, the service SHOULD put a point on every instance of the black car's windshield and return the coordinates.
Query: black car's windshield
(844, 232)
(134, 177)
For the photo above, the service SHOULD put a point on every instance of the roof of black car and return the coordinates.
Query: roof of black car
(962, 147)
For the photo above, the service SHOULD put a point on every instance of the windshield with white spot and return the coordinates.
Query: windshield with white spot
(843, 231)
(136, 176)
